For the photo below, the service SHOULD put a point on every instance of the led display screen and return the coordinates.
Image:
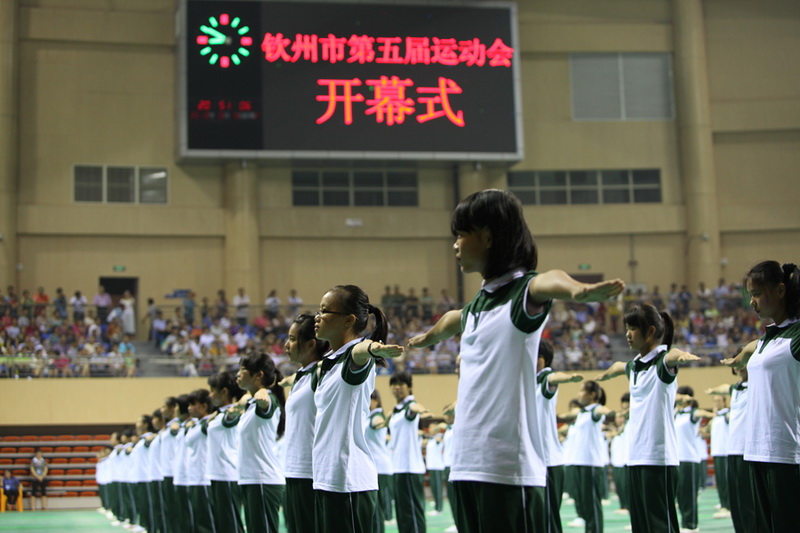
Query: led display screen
(339, 80)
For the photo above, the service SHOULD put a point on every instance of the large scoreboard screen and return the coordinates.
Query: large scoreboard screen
(263, 79)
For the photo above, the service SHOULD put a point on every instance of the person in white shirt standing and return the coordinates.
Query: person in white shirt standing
(772, 430)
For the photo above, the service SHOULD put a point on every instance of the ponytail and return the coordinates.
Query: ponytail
(262, 362)
(791, 280)
(355, 301)
(669, 329)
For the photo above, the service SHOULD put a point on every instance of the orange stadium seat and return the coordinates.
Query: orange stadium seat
(55, 483)
(55, 472)
(65, 437)
(87, 493)
(75, 472)
(6, 461)
(58, 460)
(20, 472)
(98, 448)
(91, 460)
(22, 461)
(83, 437)
(46, 449)
(11, 438)
(26, 449)
(80, 449)
(102, 437)
(63, 449)
(47, 437)
(8, 450)
(89, 483)
(70, 495)
(77, 459)
(30, 438)
(89, 472)
(72, 483)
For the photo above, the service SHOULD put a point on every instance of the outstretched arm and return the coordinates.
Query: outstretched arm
(677, 357)
(560, 285)
(446, 327)
(366, 350)
(557, 378)
(617, 369)
(740, 361)
(723, 390)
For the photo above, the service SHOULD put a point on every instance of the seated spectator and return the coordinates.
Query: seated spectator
(11, 490)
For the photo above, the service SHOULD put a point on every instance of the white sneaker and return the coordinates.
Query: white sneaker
(391, 522)
(451, 529)
(722, 513)
(433, 513)
(628, 528)
(687, 530)
(578, 522)
(605, 502)
(621, 511)
(569, 501)
(116, 523)
(138, 529)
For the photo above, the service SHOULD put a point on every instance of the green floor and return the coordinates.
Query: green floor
(92, 521)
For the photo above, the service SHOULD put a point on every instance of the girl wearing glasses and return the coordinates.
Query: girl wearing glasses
(344, 473)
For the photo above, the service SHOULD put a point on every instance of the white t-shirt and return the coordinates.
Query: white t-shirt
(168, 443)
(497, 437)
(341, 458)
(258, 430)
(773, 410)
(652, 439)
(587, 432)
(179, 462)
(155, 458)
(377, 443)
(619, 450)
(546, 404)
(197, 454)
(719, 433)
(404, 428)
(223, 449)
(686, 425)
(737, 420)
(434, 459)
(301, 412)
(448, 447)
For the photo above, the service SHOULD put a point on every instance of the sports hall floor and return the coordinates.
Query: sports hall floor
(93, 522)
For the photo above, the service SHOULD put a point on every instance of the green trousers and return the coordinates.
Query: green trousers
(651, 494)
(492, 508)
(350, 512)
(721, 477)
(555, 490)
(386, 495)
(742, 500)
(226, 501)
(261, 506)
(687, 494)
(776, 487)
(409, 500)
(620, 477)
(201, 508)
(437, 489)
(300, 506)
(589, 496)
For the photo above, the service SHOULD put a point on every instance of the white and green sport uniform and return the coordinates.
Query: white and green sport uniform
(341, 459)
(546, 403)
(772, 429)
(497, 437)
(651, 424)
(407, 444)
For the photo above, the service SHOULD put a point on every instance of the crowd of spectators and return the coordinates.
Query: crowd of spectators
(39, 337)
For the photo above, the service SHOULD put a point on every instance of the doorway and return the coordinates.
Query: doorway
(116, 287)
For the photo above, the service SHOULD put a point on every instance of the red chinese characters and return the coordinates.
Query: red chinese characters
(390, 103)
(387, 50)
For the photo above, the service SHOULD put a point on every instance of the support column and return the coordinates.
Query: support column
(242, 246)
(702, 245)
(9, 104)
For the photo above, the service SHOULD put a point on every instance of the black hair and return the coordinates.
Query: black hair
(148, 422)
(202, 396)
(597, 390)
(305, 332)
(226, 380)
(645, 316)
(262, 362)
(129, 432)
(182, 402)
(501, 213)
(157, 414)
(354, 301)
(686, 389)
(626, 398)
(546, 352)
(770, 274)
(377, 397)
(399, 378)
(171, 401)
